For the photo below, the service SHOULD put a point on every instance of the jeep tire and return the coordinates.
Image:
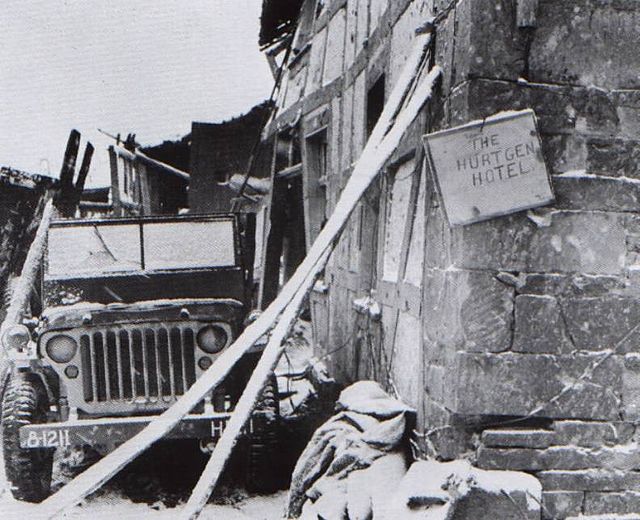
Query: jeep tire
(28, 470)
(262, 473)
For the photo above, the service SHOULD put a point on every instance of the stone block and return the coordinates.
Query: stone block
(628, 103)
(565, 285)
(584, 242)
(539, 326)
(444, 51)
(631, 387)
(564, 152)
(469, 310)
(544, 385)
(613, 157)
(589, 480)
(569, 117)
(560, 504)
(491, 44)
(523, 438)
(612, 503)
(587, 42)
(603, 323)
(593, 434)
(522, 459)
(596, 193)
(458, 491)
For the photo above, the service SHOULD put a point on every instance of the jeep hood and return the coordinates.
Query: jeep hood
(88, 314)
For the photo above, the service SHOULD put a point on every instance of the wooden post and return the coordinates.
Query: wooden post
(64, 200)
(26, 282)
(84, 168)
(115, 183)
(377, 151)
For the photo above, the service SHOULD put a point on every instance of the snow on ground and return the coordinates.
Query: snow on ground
(109, 504)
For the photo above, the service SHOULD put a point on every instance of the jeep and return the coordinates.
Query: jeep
(134, 311)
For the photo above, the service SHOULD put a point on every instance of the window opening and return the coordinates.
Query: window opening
(375, 104)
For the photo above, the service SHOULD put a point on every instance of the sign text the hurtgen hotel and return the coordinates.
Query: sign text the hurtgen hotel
(490, 168)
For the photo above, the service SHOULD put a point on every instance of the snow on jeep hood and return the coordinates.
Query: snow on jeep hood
(66, 315)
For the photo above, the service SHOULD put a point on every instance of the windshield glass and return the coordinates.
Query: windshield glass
(94, 249)
(178, 245)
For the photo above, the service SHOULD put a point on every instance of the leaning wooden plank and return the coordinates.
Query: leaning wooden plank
(104, 469)
(268, 361)
(27, 280)
(365, 171)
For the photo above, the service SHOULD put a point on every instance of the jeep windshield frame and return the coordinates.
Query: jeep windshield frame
(140, 246)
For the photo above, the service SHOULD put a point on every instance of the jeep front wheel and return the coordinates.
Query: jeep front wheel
(29, 470)
(262, 473)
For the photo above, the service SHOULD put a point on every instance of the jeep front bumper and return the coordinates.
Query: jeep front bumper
(110, 432)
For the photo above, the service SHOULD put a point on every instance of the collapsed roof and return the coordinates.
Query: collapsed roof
(278, 20)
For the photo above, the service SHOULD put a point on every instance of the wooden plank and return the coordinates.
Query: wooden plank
(84, 167)
(27, 280)
(115, 182)
(69, 162)
(375, 155)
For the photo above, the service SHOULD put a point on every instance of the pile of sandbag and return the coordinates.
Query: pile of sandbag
(354, 458)
(357, 466)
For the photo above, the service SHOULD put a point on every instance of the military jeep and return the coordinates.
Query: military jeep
(134, 311)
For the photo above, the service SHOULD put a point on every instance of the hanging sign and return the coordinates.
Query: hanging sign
(490, 168)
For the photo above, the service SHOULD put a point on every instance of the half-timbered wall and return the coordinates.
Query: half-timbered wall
(515, 337)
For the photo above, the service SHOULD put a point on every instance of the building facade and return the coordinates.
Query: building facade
(517, 338)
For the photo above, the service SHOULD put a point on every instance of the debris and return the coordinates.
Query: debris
(455, 490)
(24, 285)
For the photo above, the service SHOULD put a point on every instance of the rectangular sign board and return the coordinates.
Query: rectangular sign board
(490, 168)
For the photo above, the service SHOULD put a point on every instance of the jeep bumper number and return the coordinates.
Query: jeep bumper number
(114, 431)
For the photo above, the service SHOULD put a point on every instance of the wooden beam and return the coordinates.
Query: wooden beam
(115, 182)
(27, 280)
(68, 169)
(84, 168)
(378, 149)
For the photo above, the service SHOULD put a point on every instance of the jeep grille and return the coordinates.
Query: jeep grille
(147, 363)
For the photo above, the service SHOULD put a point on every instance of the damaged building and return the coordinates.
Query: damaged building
(515, 338)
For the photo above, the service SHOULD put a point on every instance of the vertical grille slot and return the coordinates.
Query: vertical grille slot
(148, 364)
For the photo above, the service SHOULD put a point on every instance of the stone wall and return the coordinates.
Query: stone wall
(533, 317)
(528, 325)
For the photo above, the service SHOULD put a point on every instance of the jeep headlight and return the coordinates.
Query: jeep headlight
(17, 338)
(61, 348)
(212, 339)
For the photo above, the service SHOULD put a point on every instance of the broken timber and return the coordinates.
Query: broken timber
(27, 280)
(383, 141)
